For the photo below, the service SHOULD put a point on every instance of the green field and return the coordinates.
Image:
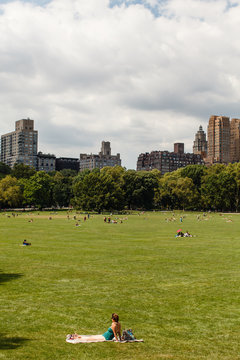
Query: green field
(181, 295)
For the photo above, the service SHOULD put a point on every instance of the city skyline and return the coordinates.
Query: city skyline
(140, 74)
(221, 144)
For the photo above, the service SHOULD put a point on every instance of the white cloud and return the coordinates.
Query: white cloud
(202, 9)
(87, 72)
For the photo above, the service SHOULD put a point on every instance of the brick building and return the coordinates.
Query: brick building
(235, 140)
(218, 140)
(166, 161)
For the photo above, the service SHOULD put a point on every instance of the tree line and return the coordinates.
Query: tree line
(194, 187)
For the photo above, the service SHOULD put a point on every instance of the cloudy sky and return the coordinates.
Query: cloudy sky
(142, 74)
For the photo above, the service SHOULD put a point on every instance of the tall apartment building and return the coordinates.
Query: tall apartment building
(20, 146)
(218, 140)
(200, 143)
(166, 161)
(104, 158)
(235, 140)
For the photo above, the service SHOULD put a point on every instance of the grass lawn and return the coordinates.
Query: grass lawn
(181, 295)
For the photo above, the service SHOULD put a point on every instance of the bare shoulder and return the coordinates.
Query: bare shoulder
(116, 325)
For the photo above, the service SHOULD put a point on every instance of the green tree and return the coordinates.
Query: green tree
(38, 190)
(86, 192)
(4, 170)
(139, 188)
(165, 197)
(185, 193)
(68, 172)
(99, 190)
(218, 188)
(176, 192)
(111, 192)
(234, 170)
(194, 172)
(10, 192)
(129, 178)
(81, 175)
(62, 189)
(23, 171)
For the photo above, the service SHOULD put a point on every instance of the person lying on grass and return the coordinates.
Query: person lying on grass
(26, 243)
(113, 331)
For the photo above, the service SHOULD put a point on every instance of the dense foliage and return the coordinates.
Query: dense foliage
(194, 187)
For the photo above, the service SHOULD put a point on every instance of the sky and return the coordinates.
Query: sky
(141, 74)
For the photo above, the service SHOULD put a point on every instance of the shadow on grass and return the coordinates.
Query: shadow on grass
(8, 277)
(6, 342)
(10, 343)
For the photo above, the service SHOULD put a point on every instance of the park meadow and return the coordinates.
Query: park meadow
(181, 295)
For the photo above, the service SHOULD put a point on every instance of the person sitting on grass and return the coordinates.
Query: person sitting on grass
(26, 243)
(113, 331)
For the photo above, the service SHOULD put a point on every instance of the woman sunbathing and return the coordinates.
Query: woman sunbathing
(113, 331)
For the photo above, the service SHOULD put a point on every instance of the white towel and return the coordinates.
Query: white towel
(85, 341)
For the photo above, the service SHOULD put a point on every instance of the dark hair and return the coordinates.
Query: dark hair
(115, 317)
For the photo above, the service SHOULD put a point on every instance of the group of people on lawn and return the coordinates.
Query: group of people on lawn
(181, 234)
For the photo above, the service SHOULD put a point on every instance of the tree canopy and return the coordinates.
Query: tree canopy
(194, 187)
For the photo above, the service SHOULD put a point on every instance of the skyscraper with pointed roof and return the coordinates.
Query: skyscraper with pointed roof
(200, 143)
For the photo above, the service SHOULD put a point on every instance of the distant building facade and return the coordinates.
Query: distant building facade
(235, 140)
(179, 148)
(104, 158)
(67, 163)
(46, 162)
(166, 161)
(200, 143)
(218, 140)
(20, 146)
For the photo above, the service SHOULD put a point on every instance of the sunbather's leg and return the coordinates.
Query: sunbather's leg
(96, 338)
